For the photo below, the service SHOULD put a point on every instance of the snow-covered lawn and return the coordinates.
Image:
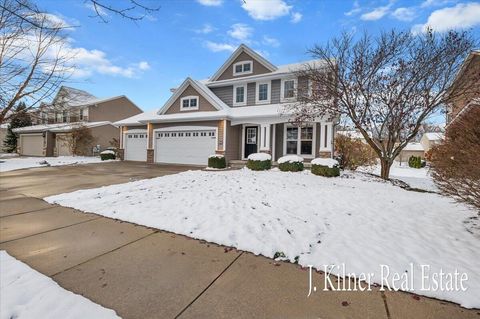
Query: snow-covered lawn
(11, 164)
(355, 219)
(26, 293)
(415, 177)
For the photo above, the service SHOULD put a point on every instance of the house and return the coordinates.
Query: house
(356, 135)
(431, 139)
(242, 109)
(411, 149)
(462, 103)
(71, 109)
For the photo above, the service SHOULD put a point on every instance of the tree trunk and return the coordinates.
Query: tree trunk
(385, 170)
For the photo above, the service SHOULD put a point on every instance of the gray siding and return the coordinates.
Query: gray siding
(251, 88)
(275, 93)
(224, 93)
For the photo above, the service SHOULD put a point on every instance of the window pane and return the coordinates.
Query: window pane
(292, 133)
(238, 68)
(263, 92)
(193, 102)
(240, 94)
(306, 147)
(292, 147)
(307, 133)
(246, 67)
(289, 90)
(185, 103)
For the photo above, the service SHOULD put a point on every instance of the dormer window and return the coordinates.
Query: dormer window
(242, 68)
(189, 103)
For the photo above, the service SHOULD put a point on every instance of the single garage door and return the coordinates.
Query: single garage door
(189, 146)
(32, 145)
(136, 147)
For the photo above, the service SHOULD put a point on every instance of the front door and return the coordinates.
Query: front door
(251, 133)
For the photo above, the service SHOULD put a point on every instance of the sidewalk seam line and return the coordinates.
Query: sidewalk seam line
(50, 230)
(31, 211)
(206, 288)
(102, 254)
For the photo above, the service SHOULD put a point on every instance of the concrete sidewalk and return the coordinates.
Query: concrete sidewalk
(146, 273)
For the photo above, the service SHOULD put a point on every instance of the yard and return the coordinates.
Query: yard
(15, 162)
(356, 220)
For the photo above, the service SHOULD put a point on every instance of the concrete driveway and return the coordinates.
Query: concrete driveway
(147, 273)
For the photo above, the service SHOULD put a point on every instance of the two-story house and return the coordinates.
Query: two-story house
(242, 109)
(70, 109)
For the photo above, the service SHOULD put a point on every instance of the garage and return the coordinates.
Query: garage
(63, 145)
(185, 145)
(136, 146)
(32, 144)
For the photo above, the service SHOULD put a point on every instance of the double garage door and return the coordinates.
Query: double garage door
(185, 146)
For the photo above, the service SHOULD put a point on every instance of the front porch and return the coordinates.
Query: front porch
(309, 140)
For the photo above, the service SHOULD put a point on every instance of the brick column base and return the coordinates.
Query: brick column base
(150, 155)
(121, 153)
(219, 152)
(325, 154)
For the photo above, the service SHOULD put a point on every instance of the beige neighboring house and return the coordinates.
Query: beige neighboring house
(431, 139)
(354, 135)
(72, 109)
(3, 135)
(240, 110)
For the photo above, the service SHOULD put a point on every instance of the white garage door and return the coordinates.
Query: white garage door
(136, 147)
(189, 146)
(32, 145)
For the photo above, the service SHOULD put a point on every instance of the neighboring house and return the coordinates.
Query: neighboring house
(462, 104)
(72, 108)
(3, 135)
(354, 135)
(241, 109)
(431, 139)
(412, 149)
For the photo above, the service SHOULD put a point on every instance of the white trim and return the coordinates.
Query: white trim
(236, 53)
(265, 137)
(235, 103)
(257, 92)
(235, 73)
(189, 108)
(274, 141)
(224, 135)
(243, 138)
(326, 129)
(136, 130)
(299, 140)
(282, 90)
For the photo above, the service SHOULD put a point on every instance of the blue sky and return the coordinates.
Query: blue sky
(193, 38)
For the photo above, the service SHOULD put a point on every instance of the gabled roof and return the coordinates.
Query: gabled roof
(73, 97)
(201, 89)
(236, 53)
(59, 127)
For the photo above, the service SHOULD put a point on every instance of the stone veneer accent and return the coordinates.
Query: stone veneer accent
(325, 154)
(150, 156)
(121, 153)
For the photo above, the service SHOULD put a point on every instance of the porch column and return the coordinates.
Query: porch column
(150, 137)
(326, 139)
(265, 138)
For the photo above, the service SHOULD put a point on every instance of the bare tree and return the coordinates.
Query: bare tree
(129, 11)
(387, 85)
(33, 59)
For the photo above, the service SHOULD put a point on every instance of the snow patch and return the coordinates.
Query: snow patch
(260, 157)
(107, 152)
(330, 162)
(26, 293)
(12, 164)
(216, 156)
(290, 159)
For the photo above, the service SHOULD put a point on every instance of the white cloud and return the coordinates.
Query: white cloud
(96, 9)
(270, 41)
(356, 9)
(375, 14)
(218, 47)
(240, 31)
(207, 28)
(210, 3)
(404, 14)
(296, 17)
(144, 65)
(436, 3)
(461, 16)
(266, 9)
(56, 21)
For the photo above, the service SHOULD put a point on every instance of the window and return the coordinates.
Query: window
(64, 116)
(288, 89)
(188, 103)
(263, 93)
(243, 67)
(239, 95)
(299, 140)
(81, 114)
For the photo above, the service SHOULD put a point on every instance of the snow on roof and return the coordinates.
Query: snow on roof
(432, 136)
(353, 134)
(136, 119)
(58, 127)
(413, 146)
